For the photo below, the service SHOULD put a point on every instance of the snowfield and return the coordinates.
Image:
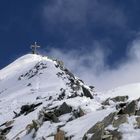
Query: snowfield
(33, 87)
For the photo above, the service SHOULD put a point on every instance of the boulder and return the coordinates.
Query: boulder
(120, 99)
(100, 130)
(78, 113)
(120, 105)
(87, 92)
(138, 122)
(109, 119)
(131, 108)
(97, 135)
(50, 116)
(115, 99)
(97, 126)
(6, 130)
(63, 109)
(115, 134)
(120, 120)
(96, 132)
(25, 109)
(106, 102)
(137, 112)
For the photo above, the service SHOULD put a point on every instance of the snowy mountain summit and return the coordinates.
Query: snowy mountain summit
(40, 99)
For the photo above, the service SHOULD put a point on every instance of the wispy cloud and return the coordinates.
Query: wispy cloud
(79, 22)
(92, 68)
(81, 13)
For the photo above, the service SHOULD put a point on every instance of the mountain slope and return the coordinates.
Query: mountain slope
(40, 99)
(32, 84)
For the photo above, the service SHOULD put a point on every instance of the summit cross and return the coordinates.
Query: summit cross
(34, 48)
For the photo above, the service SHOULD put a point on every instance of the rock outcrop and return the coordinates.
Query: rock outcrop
(108, 128)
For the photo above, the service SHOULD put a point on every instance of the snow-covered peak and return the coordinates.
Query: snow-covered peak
(23, 63)
(42, 84)
(39, 73)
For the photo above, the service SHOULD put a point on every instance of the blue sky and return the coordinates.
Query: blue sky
(73, 27)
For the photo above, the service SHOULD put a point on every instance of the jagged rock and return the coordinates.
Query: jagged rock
(36, 124)
(120, 105)
(78, 113)
(7, 124)
(120, 99)
(25, 109)
(120, 120)
(62, 94)
(87, 92)
(138, 122)
(115, 99)
(96, 129)
(6, 130)
(130, 108)
(98, 125)
(115, 134)
(50, 116)
(109, 119)
(91, 87)
(33, 126)
(69, 73)
(34, 71)
(138, 112)
(97, 135)
(63, 109)
(59, 64)
(106, 102)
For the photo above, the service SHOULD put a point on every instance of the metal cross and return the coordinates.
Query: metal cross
(34, 47)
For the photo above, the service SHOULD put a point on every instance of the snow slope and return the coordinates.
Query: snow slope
(37, 80)
(32, 79)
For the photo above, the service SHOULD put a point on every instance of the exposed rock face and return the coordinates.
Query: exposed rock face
(109, 119)
(120, 120)
(87, 92)
(63, 109)
(115, 99)
(120, 99)
(26, 109)
(102, 131)
(130, 108)
(138, 112)
(5, 129)
(138, 122)
(34, 71)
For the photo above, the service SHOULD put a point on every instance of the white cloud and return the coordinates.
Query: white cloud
(91, 66)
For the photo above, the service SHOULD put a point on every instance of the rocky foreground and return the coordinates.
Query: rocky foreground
(109, 127)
